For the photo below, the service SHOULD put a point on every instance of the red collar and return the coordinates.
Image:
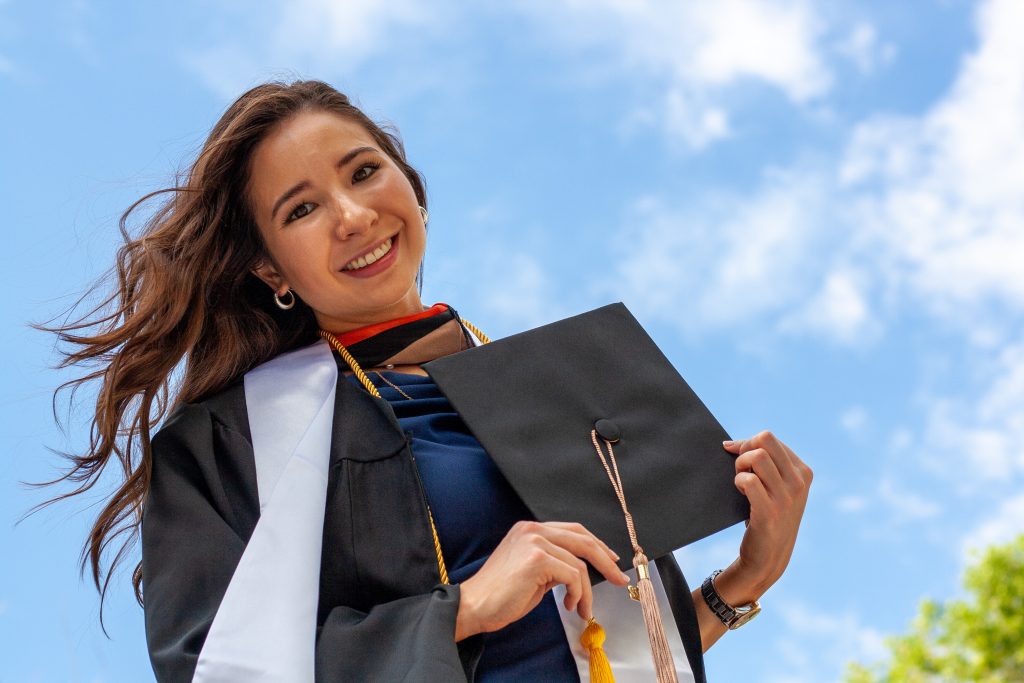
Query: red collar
(361, 333)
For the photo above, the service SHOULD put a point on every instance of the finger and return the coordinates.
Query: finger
(782, 456)
(556, 565)
(534, 526)
(587, 546)
(741, 445)
(750, 486)
(806, 474)
(579, 528)
(735, 446)
(578, 595)
(556, 572)
(779, 454)
(563, 532)
(760, 463)
(586, 599)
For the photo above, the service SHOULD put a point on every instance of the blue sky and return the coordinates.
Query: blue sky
(815, 209)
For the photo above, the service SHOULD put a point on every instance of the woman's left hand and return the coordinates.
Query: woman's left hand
(776, 483)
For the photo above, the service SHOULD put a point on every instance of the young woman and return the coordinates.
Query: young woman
(290, 256)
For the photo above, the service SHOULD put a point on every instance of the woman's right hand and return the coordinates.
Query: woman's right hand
(533, 558)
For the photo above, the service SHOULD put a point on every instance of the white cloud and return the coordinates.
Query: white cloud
(904, 502)
(689, 57)
(727, 264)
(224, 68)
(322, 37)
(900, 439)
(851, 503)
(976, 438)
(973, 450)
(942, 195)
(839, 311)
(970, 448)
(506, 285)
(863, 47)
(350, 30)
(700, 43)
(1001, 527)
(688, 117)
(7, 66)
(854, 419)
(747, 261)
(821, 634)
(693, 53)
(922, 214)
(524, 297)
(702, 557)
(771, 41)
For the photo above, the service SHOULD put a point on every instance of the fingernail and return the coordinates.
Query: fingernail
(617, 558)
(728, 443)
(624, 576)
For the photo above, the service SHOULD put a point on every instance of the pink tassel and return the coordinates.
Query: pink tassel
(663, 662)
(664, 666)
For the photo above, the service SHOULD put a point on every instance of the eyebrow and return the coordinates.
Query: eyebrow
(302, 185)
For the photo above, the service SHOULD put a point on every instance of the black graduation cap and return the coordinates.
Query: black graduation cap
(548, 387)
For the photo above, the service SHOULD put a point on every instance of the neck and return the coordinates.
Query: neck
(354, 321)
(368, 331)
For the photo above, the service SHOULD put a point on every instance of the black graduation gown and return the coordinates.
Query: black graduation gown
(383, 613)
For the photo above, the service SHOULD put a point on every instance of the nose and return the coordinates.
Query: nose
(354, 217)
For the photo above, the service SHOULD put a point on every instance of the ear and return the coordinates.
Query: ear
(266, 271)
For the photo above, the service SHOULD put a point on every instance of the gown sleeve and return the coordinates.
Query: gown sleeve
(195, 526)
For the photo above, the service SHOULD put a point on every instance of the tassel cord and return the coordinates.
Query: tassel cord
(664, 665)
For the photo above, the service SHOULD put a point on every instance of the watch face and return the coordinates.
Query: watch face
(744, 617)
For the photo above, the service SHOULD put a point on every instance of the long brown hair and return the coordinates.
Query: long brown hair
(184, 290)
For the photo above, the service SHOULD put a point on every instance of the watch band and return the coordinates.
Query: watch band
(732, 617)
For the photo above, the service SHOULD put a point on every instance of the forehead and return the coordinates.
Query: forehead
(300, 148)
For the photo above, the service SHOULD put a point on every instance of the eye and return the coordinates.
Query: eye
(373, 164)
(291, 217)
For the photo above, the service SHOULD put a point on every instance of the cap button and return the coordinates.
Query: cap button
(608, 430)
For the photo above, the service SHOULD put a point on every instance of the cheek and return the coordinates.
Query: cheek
(397, 188)
(415, 242)
(301, 256)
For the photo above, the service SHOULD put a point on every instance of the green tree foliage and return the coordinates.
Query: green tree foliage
(977, 640)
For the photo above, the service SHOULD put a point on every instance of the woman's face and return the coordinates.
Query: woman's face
(351, 199)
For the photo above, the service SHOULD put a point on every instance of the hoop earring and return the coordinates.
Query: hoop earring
(284, 306)
(426, 216)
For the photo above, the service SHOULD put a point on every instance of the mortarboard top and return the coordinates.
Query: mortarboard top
(532, 399)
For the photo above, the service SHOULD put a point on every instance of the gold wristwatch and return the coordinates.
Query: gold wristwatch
(732, 617)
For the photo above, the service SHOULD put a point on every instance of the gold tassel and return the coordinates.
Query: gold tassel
(592, 639)
(663, 664)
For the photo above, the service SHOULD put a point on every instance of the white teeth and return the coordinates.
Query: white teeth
(364, 261)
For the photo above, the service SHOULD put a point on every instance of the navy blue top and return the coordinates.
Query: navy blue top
(474, 507)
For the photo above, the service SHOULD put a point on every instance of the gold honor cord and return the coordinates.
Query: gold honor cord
(365, 381)
(593, 635)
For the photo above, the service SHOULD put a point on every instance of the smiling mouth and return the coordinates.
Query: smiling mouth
(379, 252)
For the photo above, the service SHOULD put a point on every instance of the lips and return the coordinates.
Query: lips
(387, 241)
(377, 266)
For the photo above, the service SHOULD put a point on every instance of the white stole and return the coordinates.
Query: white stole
(265, 627)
